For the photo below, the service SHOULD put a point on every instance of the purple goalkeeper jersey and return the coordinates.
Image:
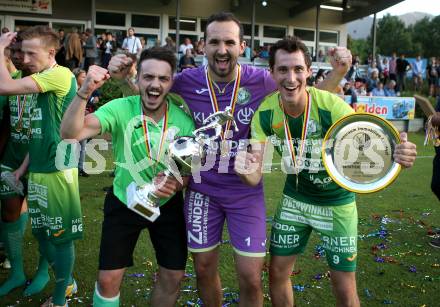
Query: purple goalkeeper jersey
(255, 85)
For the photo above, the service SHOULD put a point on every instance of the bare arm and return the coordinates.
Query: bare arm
(75, 124)
(22, 169)
(340, 59)
(9, 86)
(248, 165)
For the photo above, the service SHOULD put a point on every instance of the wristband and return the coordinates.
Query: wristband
(80, 96)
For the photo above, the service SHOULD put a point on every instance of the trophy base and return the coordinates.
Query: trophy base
(136, 204)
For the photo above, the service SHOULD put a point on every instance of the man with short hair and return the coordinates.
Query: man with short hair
(91, 51)
(131, 43)
(402, 66)
(217, 194)
(301, 116)
(153, 117)
(54, 204)
(185, 46)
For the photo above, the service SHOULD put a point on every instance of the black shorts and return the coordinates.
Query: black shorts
(121, 228)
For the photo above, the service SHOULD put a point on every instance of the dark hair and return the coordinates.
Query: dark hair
(223, 17)
(158, 53)
(289, 44)
(47, 35)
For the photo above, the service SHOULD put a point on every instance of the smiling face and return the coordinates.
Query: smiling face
(290, 73)
(222, 48)
(154, 81)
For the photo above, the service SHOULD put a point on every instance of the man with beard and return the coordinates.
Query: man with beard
(301, 116)
(154, 118)
(53, 196)
(217, 193)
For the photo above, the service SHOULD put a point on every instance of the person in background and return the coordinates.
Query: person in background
(432, 74)
(390, 89)
(187, 61)
(385, 70)
(378, 90)
(392, 66)
(186, 45)
(169, 44)
(109, 49)
(402, 66)
(74, 51)
(200, 49)
(131, 43)
(60, 57)
(417, 70)
(91, 50)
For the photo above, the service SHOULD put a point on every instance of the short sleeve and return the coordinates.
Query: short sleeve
(257, 132)
(107, 115)
(340, 108)
(58, 80)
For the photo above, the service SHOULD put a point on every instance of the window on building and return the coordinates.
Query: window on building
(111, 19)
(274, 32)
(186, 24)
(145, 21)
(21, 25)
(203, 24)
(305, 35)
(328, 37)
(247, 29)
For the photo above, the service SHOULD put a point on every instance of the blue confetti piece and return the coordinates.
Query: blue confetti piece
(136, 275)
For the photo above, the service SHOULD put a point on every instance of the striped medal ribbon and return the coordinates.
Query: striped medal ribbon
(147, 137)
(224, 146)
(296, 159)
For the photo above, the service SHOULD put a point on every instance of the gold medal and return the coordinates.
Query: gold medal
(296, 159)
(224, 143)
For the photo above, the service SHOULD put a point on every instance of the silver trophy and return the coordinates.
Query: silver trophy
(188, 153)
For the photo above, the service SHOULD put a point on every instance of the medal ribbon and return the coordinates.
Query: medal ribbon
(20, 110)
(213, 96)
(288, 134)
(148, 138)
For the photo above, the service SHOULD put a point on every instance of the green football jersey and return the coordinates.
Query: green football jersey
(57, 90)
(315, 186)
(122, 118)
(20, 108)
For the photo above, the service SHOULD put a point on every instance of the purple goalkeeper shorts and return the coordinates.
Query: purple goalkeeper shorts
(244, 213)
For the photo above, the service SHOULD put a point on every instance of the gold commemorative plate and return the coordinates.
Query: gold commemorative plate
(357, 152)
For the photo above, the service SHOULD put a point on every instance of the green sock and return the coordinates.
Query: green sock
(100, 301)
(13, 238)
(24, 219)
(41, 278)
(63, 267)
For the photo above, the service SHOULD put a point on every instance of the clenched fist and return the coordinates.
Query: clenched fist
(119, 66)
(95, 78)
(340, 59)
